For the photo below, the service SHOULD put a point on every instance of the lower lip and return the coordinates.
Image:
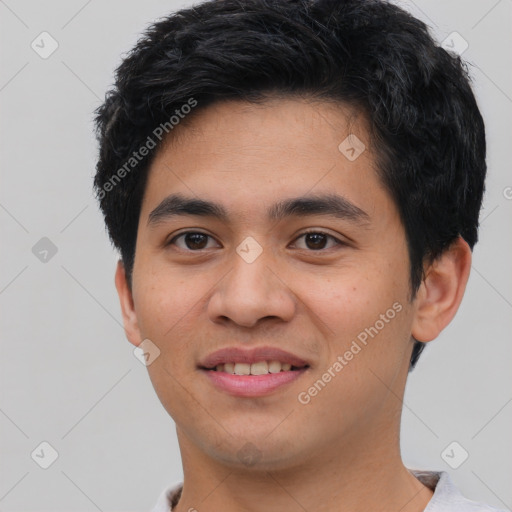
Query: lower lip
(252, 385)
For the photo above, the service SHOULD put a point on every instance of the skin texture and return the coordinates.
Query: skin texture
(341, 450)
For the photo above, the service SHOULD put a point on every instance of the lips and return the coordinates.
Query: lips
(248, 373)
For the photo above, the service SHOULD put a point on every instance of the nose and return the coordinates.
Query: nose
(251, 292)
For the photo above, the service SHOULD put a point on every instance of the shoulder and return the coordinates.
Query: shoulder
(447, 497)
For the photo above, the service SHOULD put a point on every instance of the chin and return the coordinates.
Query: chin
(257, 453)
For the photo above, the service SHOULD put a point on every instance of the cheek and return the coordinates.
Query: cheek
(165, 301)
(346, 301)
(364, 357)
(167, 308)
(368, 318)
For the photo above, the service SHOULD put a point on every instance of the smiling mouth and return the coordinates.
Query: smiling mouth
(257, 368)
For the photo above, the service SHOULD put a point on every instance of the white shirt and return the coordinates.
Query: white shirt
(446, 498)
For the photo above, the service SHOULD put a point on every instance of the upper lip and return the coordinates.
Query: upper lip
(254, 355)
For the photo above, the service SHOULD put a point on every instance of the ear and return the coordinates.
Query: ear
(441, 291)
(131, 325)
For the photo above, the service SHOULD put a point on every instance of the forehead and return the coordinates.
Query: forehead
(247, 155)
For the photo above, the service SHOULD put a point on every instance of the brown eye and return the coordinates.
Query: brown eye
(192, 241)
(317, 240)
(196, 240)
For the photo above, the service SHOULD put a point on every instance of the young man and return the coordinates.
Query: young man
(294, 187)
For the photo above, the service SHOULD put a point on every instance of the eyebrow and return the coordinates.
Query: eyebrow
(329, 205)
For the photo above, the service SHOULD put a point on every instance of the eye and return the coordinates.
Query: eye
(197, 241)
(317, 240)
(192, 240)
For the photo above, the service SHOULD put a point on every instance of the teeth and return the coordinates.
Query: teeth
(242, 369)
(259, 368)
(274, 367)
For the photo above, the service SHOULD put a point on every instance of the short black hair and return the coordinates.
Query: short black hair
(424, 121)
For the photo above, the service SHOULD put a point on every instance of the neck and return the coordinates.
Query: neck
(355, 476)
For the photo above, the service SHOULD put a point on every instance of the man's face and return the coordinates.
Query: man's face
(255, 280)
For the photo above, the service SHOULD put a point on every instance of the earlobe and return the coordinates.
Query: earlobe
(131, 326)
(441, 291)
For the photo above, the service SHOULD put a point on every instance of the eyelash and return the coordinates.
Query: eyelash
(311, 231)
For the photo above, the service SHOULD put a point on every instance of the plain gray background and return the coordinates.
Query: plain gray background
(68, 375)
